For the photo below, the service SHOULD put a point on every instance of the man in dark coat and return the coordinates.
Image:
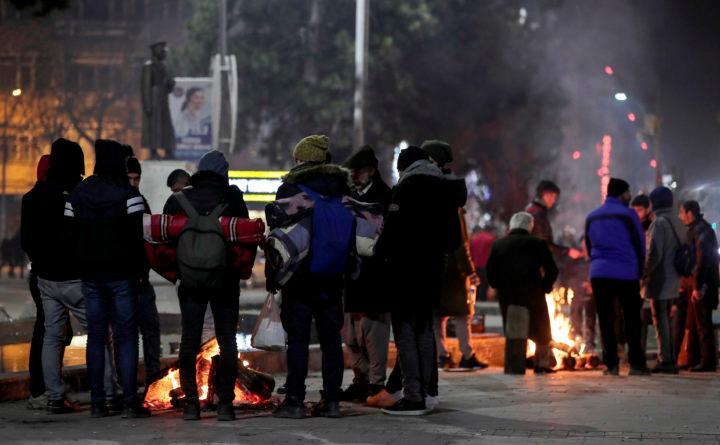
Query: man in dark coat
(457, 300)
(414, 243)
(107, 214)
(522, 270)
(704, 282)
(367, 310)
(309, 294)
(209, 189)
(156, 84)
(546, 195)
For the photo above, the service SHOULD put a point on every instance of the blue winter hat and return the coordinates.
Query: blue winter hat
(215, 162)
(661, 198)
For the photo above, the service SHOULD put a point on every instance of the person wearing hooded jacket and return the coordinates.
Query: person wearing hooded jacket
(459, 272)
(106, 213)
(367, 312)
(661, 279)
(208, 189)
(413, 245)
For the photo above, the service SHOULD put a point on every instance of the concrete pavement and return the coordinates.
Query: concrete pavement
(476, 408)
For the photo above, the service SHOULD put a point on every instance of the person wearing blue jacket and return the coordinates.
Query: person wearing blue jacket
(616, 244)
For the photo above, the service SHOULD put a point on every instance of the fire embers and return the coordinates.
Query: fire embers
(252, 388)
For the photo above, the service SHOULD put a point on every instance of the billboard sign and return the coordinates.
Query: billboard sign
(191, 112)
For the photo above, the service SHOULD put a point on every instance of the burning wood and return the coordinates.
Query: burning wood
(251, 387)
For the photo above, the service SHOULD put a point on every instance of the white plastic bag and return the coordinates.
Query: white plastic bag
(269, 334)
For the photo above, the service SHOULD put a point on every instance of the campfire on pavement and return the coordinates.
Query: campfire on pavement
(252, 388)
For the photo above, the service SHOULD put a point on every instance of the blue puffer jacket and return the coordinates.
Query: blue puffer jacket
(616, 242)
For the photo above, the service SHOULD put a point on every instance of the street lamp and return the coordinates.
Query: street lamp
(16, 92)
(622, 97)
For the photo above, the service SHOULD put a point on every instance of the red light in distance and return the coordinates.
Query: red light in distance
(644, 145)
(653, 163)
(609, 70)
(631, 117)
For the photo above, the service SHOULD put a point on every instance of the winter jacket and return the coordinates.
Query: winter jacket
(705, 274)
(106, 214)
(543, 229)
(46, 236)
(523, 270)
(480, 245)
(456, 299)
(661, 279)
(416, 237)
(208, 190)
(329, 180)
(615, 241)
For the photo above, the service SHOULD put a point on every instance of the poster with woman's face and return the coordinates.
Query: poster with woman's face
(192, 117)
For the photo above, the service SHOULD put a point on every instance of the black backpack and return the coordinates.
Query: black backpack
(684, 259)
(201, 250)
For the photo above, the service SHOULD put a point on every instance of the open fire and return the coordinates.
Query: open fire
(251, 387)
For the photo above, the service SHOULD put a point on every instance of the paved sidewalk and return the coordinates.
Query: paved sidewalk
(477, 408)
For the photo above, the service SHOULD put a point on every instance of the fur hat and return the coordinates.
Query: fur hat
(313, 148)
(440, 151)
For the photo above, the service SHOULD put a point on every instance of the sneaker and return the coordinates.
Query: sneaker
(355, 393)
(99, 410)
(384, 399)
(640, 371)
(226, 412)
(136, 412)
(37, 403)
(614, 371)
(406, 407)
(325, 408)
(472, 363)
(444, 362)
(191, 410)
(432, 402)
(290, 408)
(665, 369)
(62, 406)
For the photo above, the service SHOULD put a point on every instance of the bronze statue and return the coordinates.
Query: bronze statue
(157, 83)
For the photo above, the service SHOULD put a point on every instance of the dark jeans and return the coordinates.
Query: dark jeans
(297, 313)
(224, 304)
(395, 381)
(646, 320)
(627, 293)
(149, 323)
(582, 320)
(417, 354)
(661, 321)
(114, 301)
(701, 337)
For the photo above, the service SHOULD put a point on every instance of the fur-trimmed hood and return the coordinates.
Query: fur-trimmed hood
(327, 179)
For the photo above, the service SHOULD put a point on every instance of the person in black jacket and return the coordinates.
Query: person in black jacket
(308, 294)
(367, 312)
(107, 216)
(522, 270)
(546, 196)
(209, 188)
(704, 281)
(413, 244)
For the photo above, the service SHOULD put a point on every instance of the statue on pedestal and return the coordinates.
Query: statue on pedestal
(156, 84)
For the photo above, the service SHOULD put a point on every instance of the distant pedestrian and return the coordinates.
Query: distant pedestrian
(178, 180)
(107, 215)
(661, 279)
(641, 205)
(209, 194)
(367, 307)
(704, 282)
(616, 243)
(522, 270)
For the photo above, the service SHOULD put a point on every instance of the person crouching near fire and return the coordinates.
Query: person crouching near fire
(522, 270)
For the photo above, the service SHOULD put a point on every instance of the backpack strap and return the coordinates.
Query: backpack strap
(186, 205)
(217, 211)
(672, 227)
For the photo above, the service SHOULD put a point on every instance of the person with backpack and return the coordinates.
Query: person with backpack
(316, 288)
(107, 215)
(615, 241)
(704, 281)
(206, 279)
(661, 278)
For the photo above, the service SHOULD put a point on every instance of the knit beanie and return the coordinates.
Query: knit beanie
(313, 148)
(215, 162)
(661, 198)
(365, 157)
(110, 158)
(440, 151)
(617, 187)
(43, 167)
(133, 166)
(409, 156)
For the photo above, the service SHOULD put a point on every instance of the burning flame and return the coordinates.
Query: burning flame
(160, 392)
(558, 303)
